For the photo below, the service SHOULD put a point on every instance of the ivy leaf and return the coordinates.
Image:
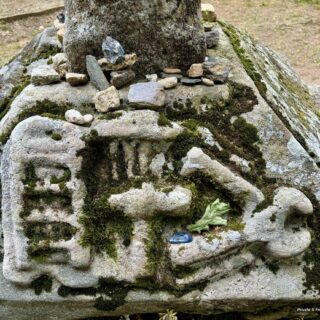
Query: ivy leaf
(212, 216)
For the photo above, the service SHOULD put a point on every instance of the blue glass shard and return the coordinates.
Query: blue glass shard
(181, 237)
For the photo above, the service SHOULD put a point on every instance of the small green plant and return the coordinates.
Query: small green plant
(169, 315)
(212, 216)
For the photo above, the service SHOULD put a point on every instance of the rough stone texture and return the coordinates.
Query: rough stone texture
(315, 91)
(147, 95)
(180, 39)
(76, 117)
(43, 75)
(212, 38)
(129, 61)
(160, 170)
(107, 100)
(12, 74)
(96, 75)
(122, 78)
(112, 50)
(195, 71)
(61, 94)
(169, 83)
(216, 70)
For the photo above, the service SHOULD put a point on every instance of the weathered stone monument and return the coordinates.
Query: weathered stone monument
(162, 33)
(198, 192)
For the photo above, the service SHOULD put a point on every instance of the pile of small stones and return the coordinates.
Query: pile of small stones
(114, 71)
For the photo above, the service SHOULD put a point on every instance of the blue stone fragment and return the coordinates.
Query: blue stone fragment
(113, 50)
(181, 237)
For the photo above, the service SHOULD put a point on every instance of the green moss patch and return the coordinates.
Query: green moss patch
(247, 63)
(54, 231)
(101, 222)
(6, 102)
(163, 121)
(43, 283)
(54, 135)
(116, 290)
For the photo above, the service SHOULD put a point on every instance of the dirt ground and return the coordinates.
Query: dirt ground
(288, 27)
(291, 28)
(9, 7)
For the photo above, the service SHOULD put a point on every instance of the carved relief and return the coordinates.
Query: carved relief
(53, 206)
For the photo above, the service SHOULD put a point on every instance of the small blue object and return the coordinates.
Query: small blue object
(181, 237)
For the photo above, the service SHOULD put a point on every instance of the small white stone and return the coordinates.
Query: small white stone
(207, 82)
(169, 83)
(88, 118)
(76, 117)
(152, 77)
(107, 100)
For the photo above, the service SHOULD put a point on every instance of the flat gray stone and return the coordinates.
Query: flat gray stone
(44, 75)
(149, 94)
(212, 38)
(190, 82)
(97, 77)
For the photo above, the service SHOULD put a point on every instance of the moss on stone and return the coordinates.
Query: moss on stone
(154, 245)
(6, 102)
(191, 124)
(54, 135)
(34, 199)
(40, 108)
(247, 63)
(163, 121)
(312, 256)
(116, 290)
(235, 224)
(181, 110)
(181, 145)
(101, 222)
(63, 178)
(43, 283)
(111, 116)
(54, 231)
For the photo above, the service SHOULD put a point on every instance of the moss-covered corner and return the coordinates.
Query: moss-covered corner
(296, 95)
(49, 109)
(235, 39)
(6, 102)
